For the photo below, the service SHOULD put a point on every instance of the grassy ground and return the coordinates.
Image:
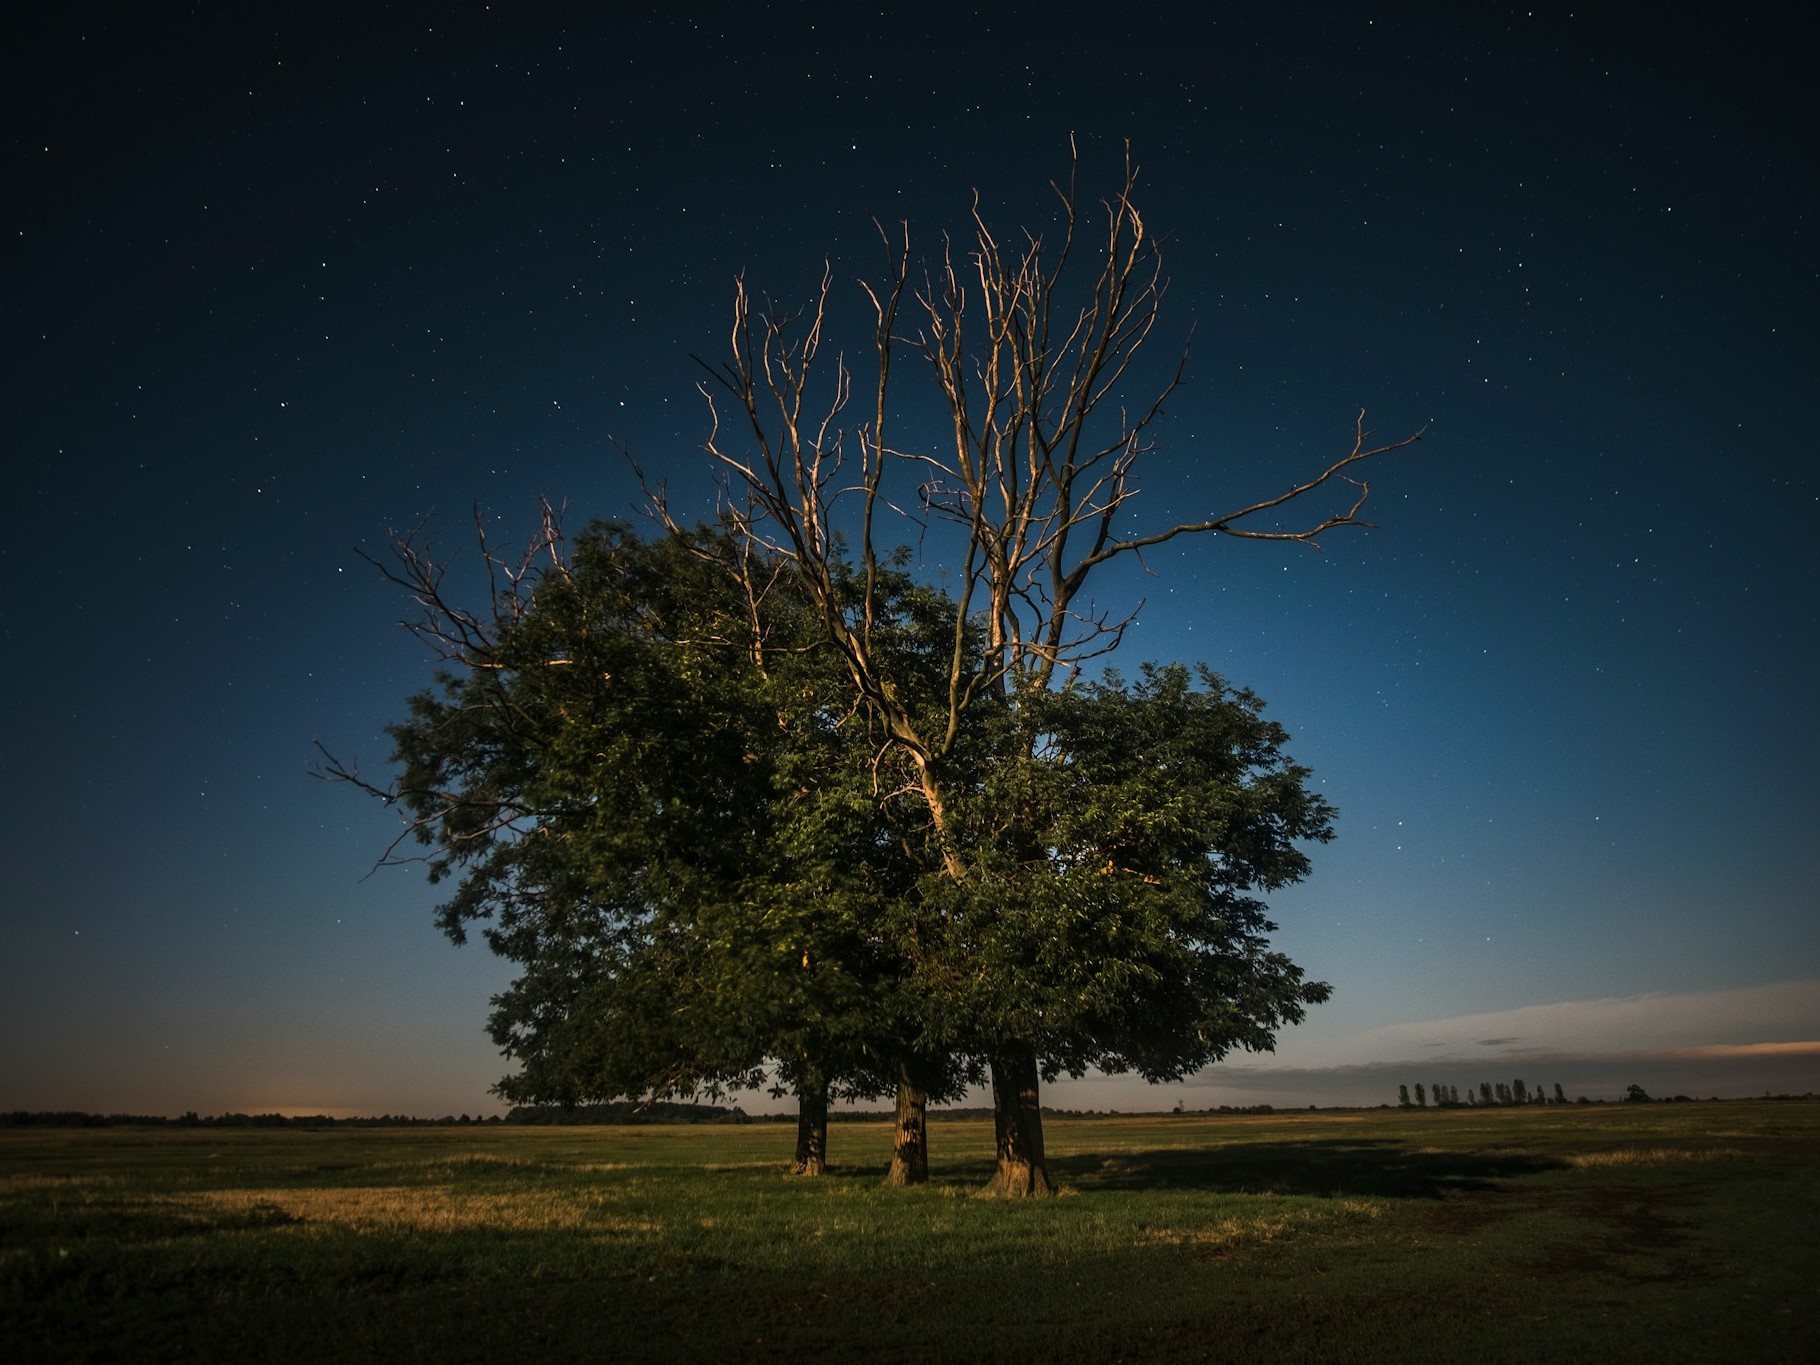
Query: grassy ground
(1632, 1232)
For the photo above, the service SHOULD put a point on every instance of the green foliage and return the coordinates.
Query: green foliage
(1119, 834)
(653, 798)
(653, 789)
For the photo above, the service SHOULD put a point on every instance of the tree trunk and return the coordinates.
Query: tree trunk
(910, 1154)
(1017, 1118)
(811, 1128)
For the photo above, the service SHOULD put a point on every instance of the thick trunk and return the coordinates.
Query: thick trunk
(811, 1128)
(1017, 1118)
(910, 1153)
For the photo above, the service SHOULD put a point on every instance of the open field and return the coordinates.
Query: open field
(1614, 1232)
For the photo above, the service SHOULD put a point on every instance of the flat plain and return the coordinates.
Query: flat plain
(1614, 1232)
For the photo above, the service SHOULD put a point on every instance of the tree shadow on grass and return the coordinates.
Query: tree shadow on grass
(1322, 1166)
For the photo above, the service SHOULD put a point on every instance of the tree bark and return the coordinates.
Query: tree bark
(1017, 1118)
(910, 1152)
(811, 1128)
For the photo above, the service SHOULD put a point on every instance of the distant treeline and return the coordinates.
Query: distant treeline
(622, 1113)
(626, 1112)
(618, 1113)
(75, 1118)
(1496, 1094)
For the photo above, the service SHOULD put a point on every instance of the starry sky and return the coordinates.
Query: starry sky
(277, 280)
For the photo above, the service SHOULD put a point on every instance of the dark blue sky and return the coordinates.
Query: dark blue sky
(275, 282)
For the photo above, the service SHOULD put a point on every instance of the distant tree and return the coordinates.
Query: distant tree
(1504, 1096)
(1421, 1098)
(1519, 1092)
(1560, 1095)
(1636, 1094)
(1485, 1092)
(1403, 1097)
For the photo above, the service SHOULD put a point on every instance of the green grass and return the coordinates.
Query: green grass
(1645, 1232)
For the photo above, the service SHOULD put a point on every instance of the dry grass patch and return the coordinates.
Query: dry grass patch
(417, 1208)
(1650, 1156)
(1254, 1231)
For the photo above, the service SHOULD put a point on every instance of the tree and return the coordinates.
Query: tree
(1560, 1095)
(642, 769)
(1403, 1097)
(1485, 1092)
(1031, 487)
(1124, 933)
(1636, 1094)
(1519, 1092)
(1421, 1097)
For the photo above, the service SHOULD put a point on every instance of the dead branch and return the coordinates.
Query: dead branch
(1032, 348)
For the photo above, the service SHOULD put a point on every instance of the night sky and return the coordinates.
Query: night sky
(278, 279)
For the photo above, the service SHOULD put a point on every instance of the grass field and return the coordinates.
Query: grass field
(1614, 1232)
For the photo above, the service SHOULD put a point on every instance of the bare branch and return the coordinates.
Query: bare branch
(1032, 347)
(1308, 532)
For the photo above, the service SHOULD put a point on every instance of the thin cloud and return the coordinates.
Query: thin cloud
(1748, 1041)
(1744, 1017)
(1753, 1050)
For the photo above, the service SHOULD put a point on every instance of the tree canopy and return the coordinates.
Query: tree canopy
(753, 796)
(1132, 841)
(1024, 459)
(643, 773)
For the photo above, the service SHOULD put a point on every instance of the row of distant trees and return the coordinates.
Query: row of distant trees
(77, 1118)
(619, 1113)
(1495, 1093)
(1489, 1093)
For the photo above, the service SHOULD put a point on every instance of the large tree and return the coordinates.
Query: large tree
(1028, 483)
(1111, 918)
(641, 767)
